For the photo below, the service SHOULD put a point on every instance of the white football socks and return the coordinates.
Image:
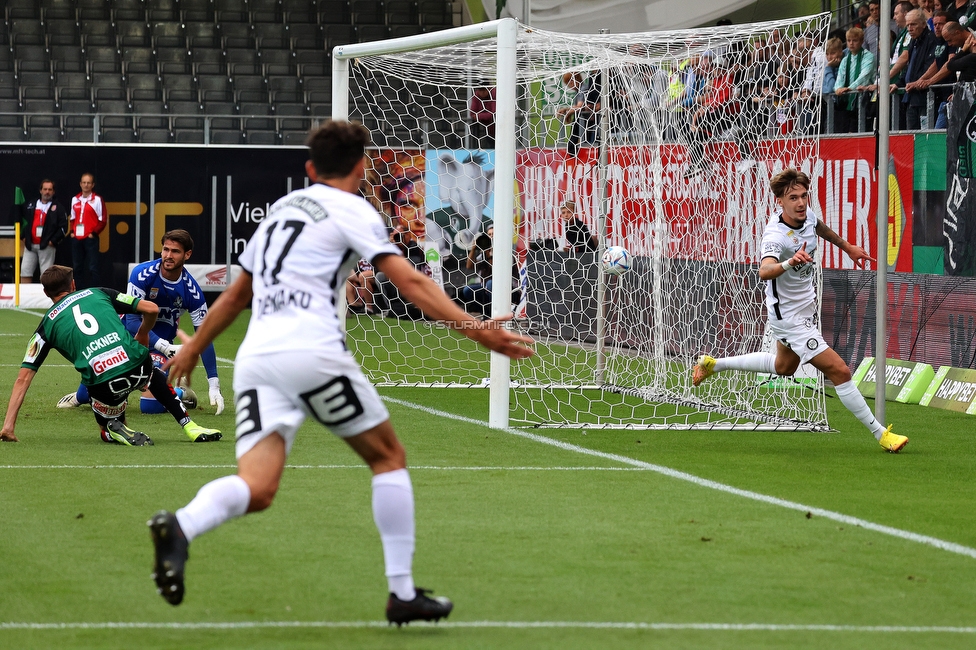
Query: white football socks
(393, 514)
(216, 502)
(228, 497)
(855, 403)
(755, 361)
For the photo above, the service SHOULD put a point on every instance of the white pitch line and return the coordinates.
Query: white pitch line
(951, 547)
(444, 468)
(46, 365)
(927, 540)
(580, 625)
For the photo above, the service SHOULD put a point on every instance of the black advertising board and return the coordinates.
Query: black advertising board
(184, 197)
(959, 226)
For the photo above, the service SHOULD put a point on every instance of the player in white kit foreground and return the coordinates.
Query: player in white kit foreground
(293, 363)
(787, 249)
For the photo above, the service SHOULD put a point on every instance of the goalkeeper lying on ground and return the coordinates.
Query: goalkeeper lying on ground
(84, 327)
(170, 286)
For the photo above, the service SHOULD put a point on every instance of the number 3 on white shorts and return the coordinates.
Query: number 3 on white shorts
(248, 413)
(334, 402)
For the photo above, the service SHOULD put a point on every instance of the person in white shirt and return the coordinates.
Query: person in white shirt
(294, 363)
(788, 266)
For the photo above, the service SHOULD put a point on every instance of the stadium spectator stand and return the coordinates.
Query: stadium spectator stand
(185, 71)
(198, 71)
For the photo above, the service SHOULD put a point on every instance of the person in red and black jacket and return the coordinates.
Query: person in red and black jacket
(45, 224)
(89, 217)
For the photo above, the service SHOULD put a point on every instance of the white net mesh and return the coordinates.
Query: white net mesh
(662, 143)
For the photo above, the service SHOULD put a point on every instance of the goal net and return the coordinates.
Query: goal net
(508, 158)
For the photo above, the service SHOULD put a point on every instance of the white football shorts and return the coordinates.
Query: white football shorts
(801, 335)
(276, 392)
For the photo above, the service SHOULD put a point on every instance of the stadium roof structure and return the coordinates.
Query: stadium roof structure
(617, 16)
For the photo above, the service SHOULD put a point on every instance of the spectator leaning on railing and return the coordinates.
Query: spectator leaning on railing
(964, 62)
(899, 44)
(938, 72)
(824, 65)
(835, 54)
(899, 55)
(855, 73)
(921, 56)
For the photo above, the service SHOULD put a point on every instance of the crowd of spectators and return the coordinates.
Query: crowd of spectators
(749, 91)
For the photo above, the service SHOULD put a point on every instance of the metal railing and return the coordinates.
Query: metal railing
(865, 114)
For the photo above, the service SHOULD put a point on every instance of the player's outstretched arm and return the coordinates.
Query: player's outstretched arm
(132, 323)
(224, 311)
(859, 256)
(149, 311)
(21, 384)
(431, 299)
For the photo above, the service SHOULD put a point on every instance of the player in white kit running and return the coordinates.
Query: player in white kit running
(788, 266)
(294, 363)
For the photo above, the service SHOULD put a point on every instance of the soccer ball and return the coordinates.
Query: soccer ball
(616, 260)
(188, 396)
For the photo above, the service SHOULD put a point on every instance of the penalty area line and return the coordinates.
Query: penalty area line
(934, 542)
(460, 625)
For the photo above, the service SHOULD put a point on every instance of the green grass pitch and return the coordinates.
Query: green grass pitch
(552, 539)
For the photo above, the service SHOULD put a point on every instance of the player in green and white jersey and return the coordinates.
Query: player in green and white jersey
(84, 326)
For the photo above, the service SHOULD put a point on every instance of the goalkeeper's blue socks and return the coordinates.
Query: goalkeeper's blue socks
(82, 394)
(152, 406)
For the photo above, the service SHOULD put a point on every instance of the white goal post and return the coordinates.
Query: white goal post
(505, 31)
(679, 180)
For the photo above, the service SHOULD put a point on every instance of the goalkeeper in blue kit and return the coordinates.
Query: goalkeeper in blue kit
(84, 327)
(170, 286)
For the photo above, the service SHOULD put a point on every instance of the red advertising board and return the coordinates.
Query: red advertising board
(721, 213)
